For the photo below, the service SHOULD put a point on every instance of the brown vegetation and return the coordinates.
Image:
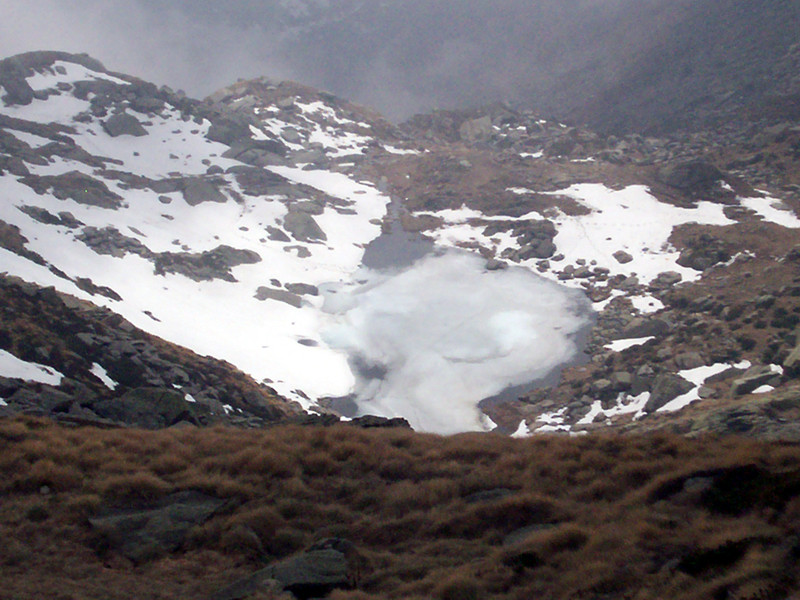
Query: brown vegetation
(462, 517)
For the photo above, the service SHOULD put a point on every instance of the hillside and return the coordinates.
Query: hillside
(223, 514)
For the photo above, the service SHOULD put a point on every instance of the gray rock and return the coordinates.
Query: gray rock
(753, 378)
(265, 293)
(325, 566)
(277, 235)
(641, 327)
(306, 206)
(791, 364)
(696, 176)
(303, 227)
(197, 190)
(46, 400)
(17, 89)
(205, 266)
(303, 289)
(291, 135)
(622, 257)
(689, 360)
(703, 252)
(621, 381)
(149, 408)
(666, 279)
(476, 130)
(494, 264)
(123, 124)
(76, 186)
(373, 422)
(666, 388)
(226, 131)
(147, 531)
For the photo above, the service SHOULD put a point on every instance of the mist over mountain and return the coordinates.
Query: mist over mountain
(578, 60)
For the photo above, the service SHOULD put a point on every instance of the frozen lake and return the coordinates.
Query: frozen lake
(429, 341)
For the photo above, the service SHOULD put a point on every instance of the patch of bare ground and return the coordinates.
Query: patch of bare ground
(468, 516)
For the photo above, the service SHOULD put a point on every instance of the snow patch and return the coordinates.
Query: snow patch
(16, 368)
(99, 372)
(620, 345)
(772, 210)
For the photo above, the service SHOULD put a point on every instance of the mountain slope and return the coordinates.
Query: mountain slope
(240, 228)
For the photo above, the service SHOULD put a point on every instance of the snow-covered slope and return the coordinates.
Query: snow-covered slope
(237, 227)
(203, 250)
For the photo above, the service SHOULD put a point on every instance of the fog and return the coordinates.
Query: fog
(399, 56)
(430, 342)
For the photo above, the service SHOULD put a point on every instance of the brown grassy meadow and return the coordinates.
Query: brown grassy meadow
(605, 517)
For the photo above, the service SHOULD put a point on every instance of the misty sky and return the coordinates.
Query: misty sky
(399, 56)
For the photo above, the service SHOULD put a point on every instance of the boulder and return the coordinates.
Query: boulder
(205, 266)
(303, 289)
(197, 190)
(622, 257)
(689, 360)
(76, 186)
(303, 227)
(227, 131)
(641, 327)
(146, 531)
(149, 408)
(374, 421)
(265, 293)
(291, 135)
(327, 565)
(476, 130)
(696, 177)
(752, 379)
(791, 364)
(666, 279)
(17, 90)
(123, 124)
(703, 252)
(666, 388)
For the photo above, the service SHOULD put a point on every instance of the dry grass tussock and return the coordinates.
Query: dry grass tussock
(462, 517)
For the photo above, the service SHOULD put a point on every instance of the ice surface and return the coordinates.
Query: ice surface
(445, 334)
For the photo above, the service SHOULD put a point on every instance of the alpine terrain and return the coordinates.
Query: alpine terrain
(324, 313)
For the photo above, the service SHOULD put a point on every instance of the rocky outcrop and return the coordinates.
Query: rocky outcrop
(703, 252)
(303, 227)
(666, 388)
(325, 566)
(146, 531)
(754, 378)
(123, 124)
(152, 408)
(265, 293)
(696, 177)
(155, 384)
(205, 266)
(198, 190)
(76, 186)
